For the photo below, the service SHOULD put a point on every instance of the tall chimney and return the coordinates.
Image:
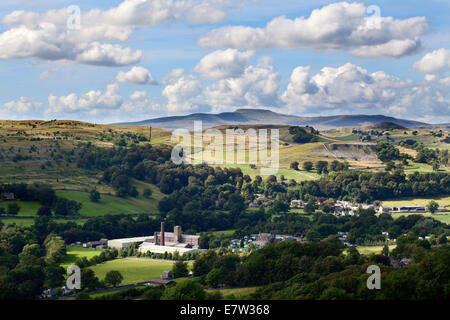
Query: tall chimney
(177, 233)
(163, 238)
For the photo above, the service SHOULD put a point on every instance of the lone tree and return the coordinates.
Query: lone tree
(385, 250)
(94, 195)
(147, 193)
(432, 206)
(113, 278)
(294, 165)
(308, 165)
(13, 209)
(435, 166)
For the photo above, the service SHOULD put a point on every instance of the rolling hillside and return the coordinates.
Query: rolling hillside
(258, 116)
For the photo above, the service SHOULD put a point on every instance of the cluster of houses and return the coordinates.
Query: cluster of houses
(55, 292)
(97, 245)
(258, 241)
(347, 208)
(261, 200)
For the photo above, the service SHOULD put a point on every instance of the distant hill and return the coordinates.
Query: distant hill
(387, 126)
(259, 116)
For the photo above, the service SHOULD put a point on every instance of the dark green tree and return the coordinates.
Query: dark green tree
(13, 209)
(94, 195)
(185, 289)
(308, 165)
(180, 269)
(113, 278)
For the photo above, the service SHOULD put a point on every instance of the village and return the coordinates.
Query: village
(347, 208)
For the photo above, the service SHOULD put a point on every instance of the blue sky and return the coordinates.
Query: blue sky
(299, 64)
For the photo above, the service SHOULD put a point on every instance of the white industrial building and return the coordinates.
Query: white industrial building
(119, 244)
(154, 248)
(160, 242)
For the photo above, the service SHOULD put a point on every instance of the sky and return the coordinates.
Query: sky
(108, 61)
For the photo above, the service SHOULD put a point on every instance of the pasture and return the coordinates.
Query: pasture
(133, 270)
(73, 253)
(30, 222)
(444, 201)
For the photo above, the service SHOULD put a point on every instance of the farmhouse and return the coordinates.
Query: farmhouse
(297, 204)
(165, 279)
(96, 244)
(261, 199)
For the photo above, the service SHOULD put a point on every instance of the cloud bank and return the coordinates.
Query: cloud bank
(338, 26)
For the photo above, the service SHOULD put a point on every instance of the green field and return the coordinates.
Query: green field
(73, 253)
(444, 201)
(29, 222)
(440, 216)
(133, 270)
(374, 249)
(27, 208)
(108, 204)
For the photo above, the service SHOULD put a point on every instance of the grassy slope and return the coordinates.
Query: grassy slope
(108, 204)
(61, 136)
(29, 222)
(442, 217)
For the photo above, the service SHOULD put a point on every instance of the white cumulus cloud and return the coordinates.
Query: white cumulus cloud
(136, 75)
(90, 103)
(338, 26)
(21, 108)
(258, 86)
(348, 88)
(351, 89)
(223, 64)
(182, 94)
(47, 36)
(437, 61)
